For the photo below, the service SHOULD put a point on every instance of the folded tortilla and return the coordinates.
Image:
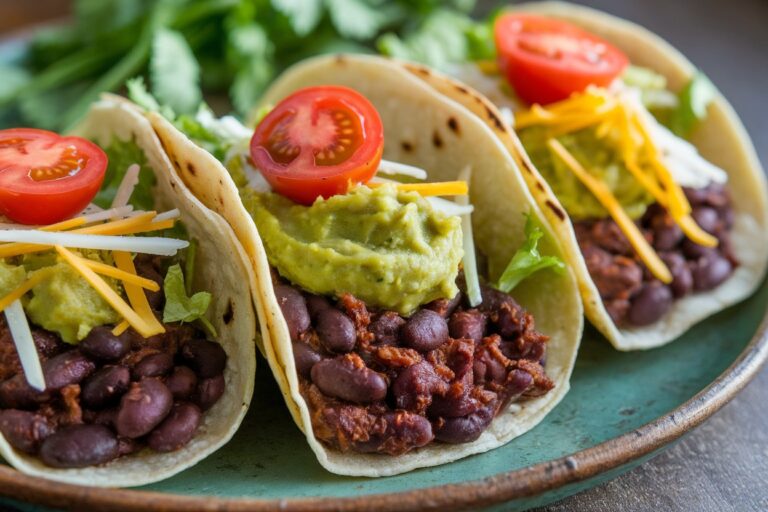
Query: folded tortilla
(431, 131)
(221, 263)
(720, 138)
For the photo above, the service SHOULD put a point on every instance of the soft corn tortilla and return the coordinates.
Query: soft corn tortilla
(221, 269)
(721, 139)
(428, 130)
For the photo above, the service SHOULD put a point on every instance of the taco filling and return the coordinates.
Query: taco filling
(652, 217)
(396, 342)
(104, 349)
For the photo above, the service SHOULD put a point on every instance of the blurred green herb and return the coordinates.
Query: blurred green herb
(232, 47)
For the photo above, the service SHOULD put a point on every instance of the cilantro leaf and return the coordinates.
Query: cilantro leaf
(692, 107)
(527, 259)
(14, 79)
(356, 19)
(180, 307)
(174, 71)
(303, 15)
(439, 41)
(252, 50)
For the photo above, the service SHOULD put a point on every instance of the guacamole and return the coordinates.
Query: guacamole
(64, 302)
(600, 158)
(388, 248)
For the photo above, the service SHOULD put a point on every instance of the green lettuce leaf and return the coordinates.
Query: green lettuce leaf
(527, 259)
(121, 155)
(180, 307)
(693, 102)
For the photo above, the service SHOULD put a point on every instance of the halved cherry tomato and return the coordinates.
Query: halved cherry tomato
(44, 177)
(317, 142)
(546, 60)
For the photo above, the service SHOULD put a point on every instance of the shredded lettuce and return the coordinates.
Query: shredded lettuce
(180, 307)
(527, 259)
(121, 155)
(694, 100)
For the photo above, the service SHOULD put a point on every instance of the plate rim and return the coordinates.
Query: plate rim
(519, 483)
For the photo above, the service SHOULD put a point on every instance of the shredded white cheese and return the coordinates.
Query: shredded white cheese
(398, 169)
(141, 244)
(112, 213)
(170, 214)
(470, 262)
(127, 186)
(25, 345)
(449, 207)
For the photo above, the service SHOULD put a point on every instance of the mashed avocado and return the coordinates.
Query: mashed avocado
(64, 302)
(600, 159)
(388, 248)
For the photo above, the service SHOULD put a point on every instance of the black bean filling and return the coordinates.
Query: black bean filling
(629, 291)
(110, 395)
(376, 382)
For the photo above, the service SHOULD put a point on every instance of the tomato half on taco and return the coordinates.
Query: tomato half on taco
(665, 197)
(127, 347)
(406, 329)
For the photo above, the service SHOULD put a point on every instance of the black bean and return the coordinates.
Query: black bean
(24, 430)
(510, 320)
(336, 331)
(707, 218)
(105, 386)
(666, 233)
(209, 391)
(488, 369)
(177, 429)
(316, 304)
(143, 407)
(16, 393)
(153, 365)
(424, 331)
(127, 446)
(465, 429)
(694, 251)
(454, 405)
(207, 358)
(682, 280)
(651, 302)
(414, 387)
(294, 309)
(386, 328)
(79, 446)
(348, 378)
(518, 382)
(182, 383)
(101, 344)
(710, 271)
(444, 307)
(68, 368)
(305, 358)
(156, 299)
(493, 299)
(467, 325)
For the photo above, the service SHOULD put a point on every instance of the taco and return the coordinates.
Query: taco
(390, 350)
(123, 359)
(665, 196)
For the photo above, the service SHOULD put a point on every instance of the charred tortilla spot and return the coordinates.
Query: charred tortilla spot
(552, 206)
(461, 89)
(527, 166)
(493, 117)
(191, 169)
(229, 313)
(453, 125)
(437, 141)
(540, 186)
(407, 146)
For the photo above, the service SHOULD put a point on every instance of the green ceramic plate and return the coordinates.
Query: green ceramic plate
(622, 408)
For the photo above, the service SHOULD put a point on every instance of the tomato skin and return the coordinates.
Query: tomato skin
(46, 178)
(546, 60)
(318, 142)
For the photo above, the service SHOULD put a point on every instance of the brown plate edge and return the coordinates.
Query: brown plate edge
(521, 483)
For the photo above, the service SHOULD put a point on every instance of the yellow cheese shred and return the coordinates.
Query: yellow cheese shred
(136, 295)
(24, 287)
(122, 275)
(121, 328)
(109, 295)
(442, 188)
(617, 213)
